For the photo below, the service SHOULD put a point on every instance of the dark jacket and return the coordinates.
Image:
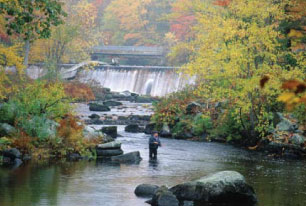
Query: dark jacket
(152, 141)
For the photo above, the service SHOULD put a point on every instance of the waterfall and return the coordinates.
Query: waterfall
(152, 81)
(145, 80)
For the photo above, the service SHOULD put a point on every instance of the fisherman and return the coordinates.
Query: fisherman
(154, 143)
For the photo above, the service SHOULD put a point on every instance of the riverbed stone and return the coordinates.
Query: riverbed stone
(112, 103)
(94, 116)
(108, 152)
(150, 128)
(164, 197)
(132, 157)
(133, 128)
(91, 133)
(146, 190)
(110, 145)
(98, 107)
(111, 131)
(223, 187)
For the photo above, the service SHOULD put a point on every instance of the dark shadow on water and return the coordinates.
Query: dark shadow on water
(153, 163)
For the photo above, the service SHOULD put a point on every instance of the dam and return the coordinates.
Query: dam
(144, 80)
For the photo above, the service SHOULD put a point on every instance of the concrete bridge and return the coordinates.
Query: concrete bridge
(131, 53)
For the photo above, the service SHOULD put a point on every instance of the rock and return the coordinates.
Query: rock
(164, 197)
(98, 107)
(132, 157)
(298, 139)
(94, 116)
(26, 157)
(149, 129)
(165, 131)
(145, 190)
(223, 187)
(112, 103)
(12, 153)
(7, 130)
(91, 133)
(286, 124)
(111, 131)
(193, 108)
(133, 128)
(144, 99)
(16, 163)
(110, 145)
(108, 152)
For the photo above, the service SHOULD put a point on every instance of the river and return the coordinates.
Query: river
(96, 183)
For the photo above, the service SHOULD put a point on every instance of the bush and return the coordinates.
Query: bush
(79, 91)
(201, 124)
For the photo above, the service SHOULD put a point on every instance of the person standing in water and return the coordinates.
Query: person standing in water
(154, 143)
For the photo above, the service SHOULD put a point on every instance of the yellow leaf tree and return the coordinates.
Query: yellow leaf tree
(235, 45)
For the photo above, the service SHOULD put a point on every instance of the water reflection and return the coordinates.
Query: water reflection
(279, 183)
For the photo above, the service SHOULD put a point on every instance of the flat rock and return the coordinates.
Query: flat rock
(223, 187)
(132, 157)
(110, 145)
(164, 197)
(108, 152)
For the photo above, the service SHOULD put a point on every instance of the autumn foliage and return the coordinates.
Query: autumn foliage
(79, 91)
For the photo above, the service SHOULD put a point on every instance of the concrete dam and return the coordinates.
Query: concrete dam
(145, 80)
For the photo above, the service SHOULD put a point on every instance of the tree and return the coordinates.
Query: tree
(235, 44)
(31, 19)
(72, 41)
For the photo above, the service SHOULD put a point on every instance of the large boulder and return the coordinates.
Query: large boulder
(12, 153)
(112, 103)
(133, 128)
(285, 124)
(98, 107)
(108, 152)
(144, 99)
(149, 129)
(110, 145)
(132, 157)
(223, 187)
(164, 197)
(111, 131)
(7, 130)
(145, 190)
(91, 133)
(298, 139)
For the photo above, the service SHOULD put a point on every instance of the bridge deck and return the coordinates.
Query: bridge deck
(129, 50)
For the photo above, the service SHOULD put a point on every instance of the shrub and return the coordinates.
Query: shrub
(79, 91)
(201, 124)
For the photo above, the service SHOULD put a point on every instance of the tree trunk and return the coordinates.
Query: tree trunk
(27, 51)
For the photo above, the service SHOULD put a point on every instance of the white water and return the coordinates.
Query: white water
(154, 82)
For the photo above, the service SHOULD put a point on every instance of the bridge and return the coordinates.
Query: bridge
(129, 53)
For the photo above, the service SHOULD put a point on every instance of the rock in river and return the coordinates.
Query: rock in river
(223, 187)
(145, 190)
(164, 197)
(112, 103)
(110, 145)
(111, 131)
(133, 128)
(108, 152)
(98, 107)
(132, 157)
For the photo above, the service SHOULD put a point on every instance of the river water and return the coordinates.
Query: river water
(95, 183)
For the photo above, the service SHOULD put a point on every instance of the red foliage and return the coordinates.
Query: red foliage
(223, 3)
(79, 91)
(181, 26)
